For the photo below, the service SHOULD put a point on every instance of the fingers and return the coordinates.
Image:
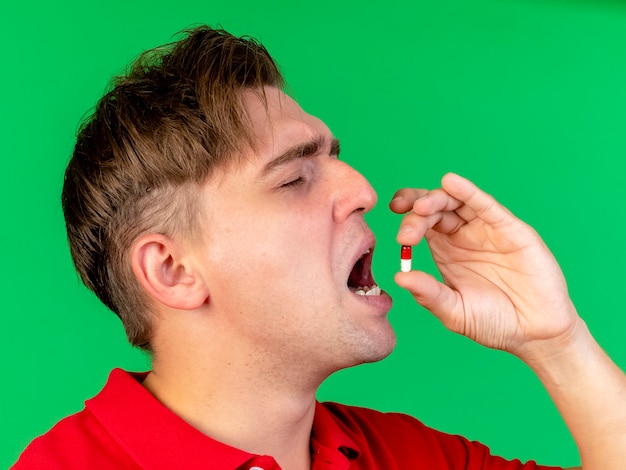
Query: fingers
(445, 210)
(428, 210)
(435, 297)
(428, 202)
(414, 227)
(403, 200)
(476, 202)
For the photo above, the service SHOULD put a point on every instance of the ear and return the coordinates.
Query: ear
(166, 274)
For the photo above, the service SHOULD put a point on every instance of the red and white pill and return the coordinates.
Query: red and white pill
(406, 255)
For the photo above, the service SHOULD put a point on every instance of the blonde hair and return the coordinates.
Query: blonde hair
(162, 130)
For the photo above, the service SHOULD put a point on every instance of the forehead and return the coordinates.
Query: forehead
(278, 122)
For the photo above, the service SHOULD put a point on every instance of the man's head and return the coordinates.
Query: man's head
(212, 214)
(276, 284)
(159, 134)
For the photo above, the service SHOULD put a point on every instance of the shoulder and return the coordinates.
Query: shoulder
(402, 441)
(380, 433)
(77, 441)
(355, 416)
(358, 421)
(72, 443)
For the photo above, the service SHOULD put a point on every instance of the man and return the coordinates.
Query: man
(211, 213)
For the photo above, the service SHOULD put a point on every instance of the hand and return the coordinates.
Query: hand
(501, 285)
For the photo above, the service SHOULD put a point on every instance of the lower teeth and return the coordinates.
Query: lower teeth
(374, 290)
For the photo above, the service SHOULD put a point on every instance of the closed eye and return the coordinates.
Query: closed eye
(293, 183)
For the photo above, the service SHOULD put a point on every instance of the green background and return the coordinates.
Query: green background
(527, 98)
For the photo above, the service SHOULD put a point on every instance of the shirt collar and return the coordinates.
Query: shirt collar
(152, 434)
(328, 432)
(156, 437)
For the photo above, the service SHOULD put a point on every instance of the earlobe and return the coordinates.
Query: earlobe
(166, 275)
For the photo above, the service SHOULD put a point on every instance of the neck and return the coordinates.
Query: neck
(238, 403)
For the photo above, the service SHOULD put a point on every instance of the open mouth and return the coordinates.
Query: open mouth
(360, 280)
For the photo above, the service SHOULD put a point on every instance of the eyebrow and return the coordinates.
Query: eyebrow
(302, 150)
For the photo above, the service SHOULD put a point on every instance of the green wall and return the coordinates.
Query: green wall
(528, 98)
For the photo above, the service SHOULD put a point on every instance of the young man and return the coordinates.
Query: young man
(211, 213)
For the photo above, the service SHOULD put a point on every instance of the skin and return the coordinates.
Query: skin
(503, 289)
(252, 316)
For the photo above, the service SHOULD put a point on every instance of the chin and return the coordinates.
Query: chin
(376, 349)
(382, 353)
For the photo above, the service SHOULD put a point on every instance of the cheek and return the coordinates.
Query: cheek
(257, 259)
(261, 290)
(269, 251)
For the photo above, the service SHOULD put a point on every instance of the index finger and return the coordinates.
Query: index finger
(483, 205)
(403, 200)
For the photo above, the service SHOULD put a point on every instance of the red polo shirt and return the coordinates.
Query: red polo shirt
(125, 427)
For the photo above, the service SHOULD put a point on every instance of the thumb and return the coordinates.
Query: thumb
(437, 298)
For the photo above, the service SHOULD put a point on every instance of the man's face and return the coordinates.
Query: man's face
(286, 248)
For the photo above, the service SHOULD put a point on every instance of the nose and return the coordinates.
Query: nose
(353, 193)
